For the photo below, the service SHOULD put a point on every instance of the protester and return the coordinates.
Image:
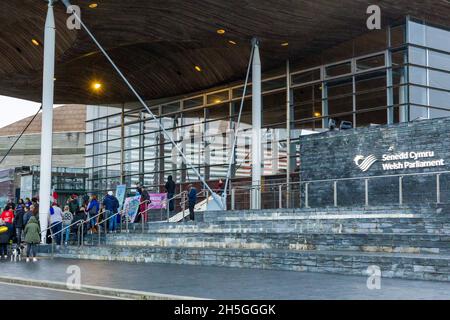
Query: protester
(67, 221)
(170, 189)
(56, 220)
(28, 202)
(27, 215)
(144, 203)
(220, 187)
(8, 215)
(93, 210)
(18, 220)
(5, 237)
(73, 204)
(32, 234)
(111, 206)
(79, 217)
(192, 197)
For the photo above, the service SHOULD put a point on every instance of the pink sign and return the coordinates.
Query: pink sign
(158, 201)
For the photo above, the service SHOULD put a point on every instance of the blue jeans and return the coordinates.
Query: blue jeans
(56, 228)
(92, 222)
(67, 232)
(112, 222)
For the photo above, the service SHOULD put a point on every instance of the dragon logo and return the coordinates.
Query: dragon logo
(365, 163)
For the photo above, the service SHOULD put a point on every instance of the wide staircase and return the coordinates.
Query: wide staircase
(406, 242)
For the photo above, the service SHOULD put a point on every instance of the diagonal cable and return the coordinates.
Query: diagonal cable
(20, 136)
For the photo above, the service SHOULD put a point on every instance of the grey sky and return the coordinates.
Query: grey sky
(16, 109)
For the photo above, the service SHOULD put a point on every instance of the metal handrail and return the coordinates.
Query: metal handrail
(343, 179)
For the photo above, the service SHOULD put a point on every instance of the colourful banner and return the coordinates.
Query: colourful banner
(121, 191)
(159, 201)
(131, 207)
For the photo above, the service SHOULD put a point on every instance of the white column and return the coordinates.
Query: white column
(256, 127)
(47, 119)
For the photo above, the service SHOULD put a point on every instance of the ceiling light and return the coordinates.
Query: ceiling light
(198, 68)
(93, 5)
(217, 101)
(96, 86)
(317, 114)
(285, 44)
(232, 42)
(35, 42)
(221, 31)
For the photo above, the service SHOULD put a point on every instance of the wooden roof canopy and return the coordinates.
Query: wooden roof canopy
(158, 43)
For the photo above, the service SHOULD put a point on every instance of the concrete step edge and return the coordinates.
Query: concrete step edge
(94, 290)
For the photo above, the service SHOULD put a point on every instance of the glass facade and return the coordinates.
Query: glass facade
(394, 75)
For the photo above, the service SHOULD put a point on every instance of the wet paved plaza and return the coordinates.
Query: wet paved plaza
(220, 283)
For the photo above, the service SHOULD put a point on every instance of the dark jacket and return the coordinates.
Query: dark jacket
(5, 233)
(18, 218)
(192, 196)
(79, 217)
(170, 186)
(32, 231)
(73, 205)
(26, 217)
(111, 204)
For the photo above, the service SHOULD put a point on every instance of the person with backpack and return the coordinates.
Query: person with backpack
(93, 210)
(111, 206)
(32, 234)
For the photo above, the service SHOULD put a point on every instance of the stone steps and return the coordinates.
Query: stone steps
(406, 266)
(400, 243)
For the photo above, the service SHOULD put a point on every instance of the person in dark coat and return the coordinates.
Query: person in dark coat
(111, 206)
(192, 197)
(79, 217)
(18, 220)
(170, 189)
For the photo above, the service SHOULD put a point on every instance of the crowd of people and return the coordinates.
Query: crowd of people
(20, 226)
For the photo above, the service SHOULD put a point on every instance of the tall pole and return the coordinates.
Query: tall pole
(47, 119)
(256, 127)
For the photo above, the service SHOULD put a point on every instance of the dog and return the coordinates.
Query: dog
(17, 253)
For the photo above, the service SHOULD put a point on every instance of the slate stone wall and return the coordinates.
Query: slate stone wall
(331, 155)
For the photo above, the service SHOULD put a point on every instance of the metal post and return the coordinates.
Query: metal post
(183, 207)
(99, 235)
(280, 196)
(256, 127)
(400, 191)
(288, 139)
(168, 207)
(82, 234)
(335, 193)
(47, 119)
(438, 188)
(366, 188)
(233, 199)
(306, 195)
